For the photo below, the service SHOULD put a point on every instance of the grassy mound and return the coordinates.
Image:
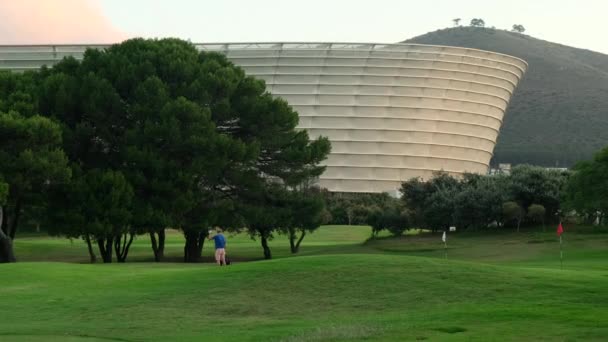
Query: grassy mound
(342, 287)
(317, 298)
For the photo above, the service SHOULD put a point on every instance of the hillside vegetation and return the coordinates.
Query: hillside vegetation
(559, 113)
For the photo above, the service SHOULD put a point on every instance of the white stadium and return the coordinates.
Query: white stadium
(391, 111)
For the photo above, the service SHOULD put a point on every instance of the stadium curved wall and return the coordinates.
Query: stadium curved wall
(391, 111)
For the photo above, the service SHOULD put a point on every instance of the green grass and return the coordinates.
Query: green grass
(492, 287)
(330, 239)
(582, 250)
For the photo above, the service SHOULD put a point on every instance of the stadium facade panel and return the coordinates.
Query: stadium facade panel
(391, 111)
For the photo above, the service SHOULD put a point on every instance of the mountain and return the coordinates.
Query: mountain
(559, 113)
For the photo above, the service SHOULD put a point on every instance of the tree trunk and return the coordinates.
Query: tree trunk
(105, 249)
(543, 221)
(300, 241)
(121, 246)
(193, 248)
(3, 225)
(295, 245)
(91, 251)
(267, 253)
(14, 222)
(518, 223)
(158, 246)
(292, 241)
(201, 242)
(7, 253)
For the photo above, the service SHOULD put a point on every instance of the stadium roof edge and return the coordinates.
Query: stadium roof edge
(279, 42)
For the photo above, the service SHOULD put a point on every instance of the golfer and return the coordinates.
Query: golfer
(220, 246)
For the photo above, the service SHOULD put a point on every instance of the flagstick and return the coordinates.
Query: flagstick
(561, 254)
(445, 250)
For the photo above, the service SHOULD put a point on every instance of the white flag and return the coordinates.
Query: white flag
(443, 238)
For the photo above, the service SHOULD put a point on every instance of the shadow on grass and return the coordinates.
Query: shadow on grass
(451, 330)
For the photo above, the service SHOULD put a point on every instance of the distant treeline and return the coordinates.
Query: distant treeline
(527, 195)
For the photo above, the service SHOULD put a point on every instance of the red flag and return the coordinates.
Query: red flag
(560, 229)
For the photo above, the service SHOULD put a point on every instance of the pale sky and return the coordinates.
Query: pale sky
(578, 23)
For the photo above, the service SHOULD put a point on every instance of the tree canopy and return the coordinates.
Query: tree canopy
(180, 138)
(480, 201)
(30, 162)
(587, 188)
(518, 28)
(478, 22)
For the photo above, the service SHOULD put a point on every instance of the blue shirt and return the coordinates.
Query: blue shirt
(220, 241)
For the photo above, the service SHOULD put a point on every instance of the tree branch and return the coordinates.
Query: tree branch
(300, 239)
